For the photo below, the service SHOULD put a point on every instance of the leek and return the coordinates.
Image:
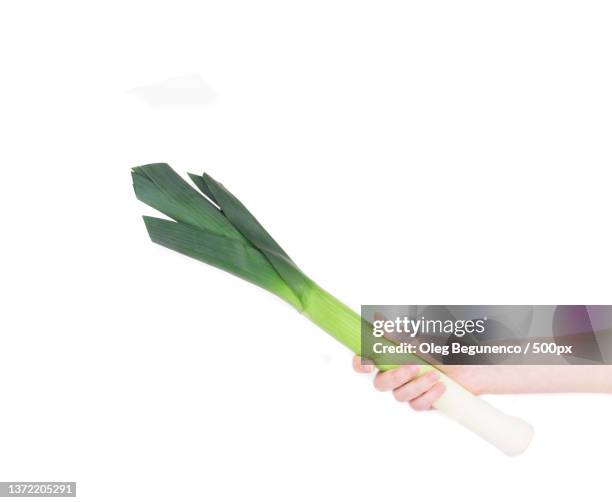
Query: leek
(214, 227)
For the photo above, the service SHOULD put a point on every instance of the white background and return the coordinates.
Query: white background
(402, 152)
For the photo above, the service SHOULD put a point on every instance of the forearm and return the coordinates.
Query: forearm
(546, 379)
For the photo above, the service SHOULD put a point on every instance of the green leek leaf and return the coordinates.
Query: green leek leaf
(248, 225)
(228, 254)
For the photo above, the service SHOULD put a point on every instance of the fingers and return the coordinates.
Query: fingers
(391, 379)
(416, 387)
(362, 365)
(420, 392)
(427, 399)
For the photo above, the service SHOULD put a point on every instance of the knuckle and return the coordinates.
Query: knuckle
(409, 391)
(418, 405)
(426, 382)
(378, 385)
(400, 377)
(407, 373)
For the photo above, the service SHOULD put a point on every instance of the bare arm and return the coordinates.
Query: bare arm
(422, 391)
(498, 379)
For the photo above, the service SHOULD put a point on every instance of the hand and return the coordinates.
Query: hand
(420, 392)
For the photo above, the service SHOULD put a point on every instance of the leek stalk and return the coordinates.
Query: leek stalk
(213, 226)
